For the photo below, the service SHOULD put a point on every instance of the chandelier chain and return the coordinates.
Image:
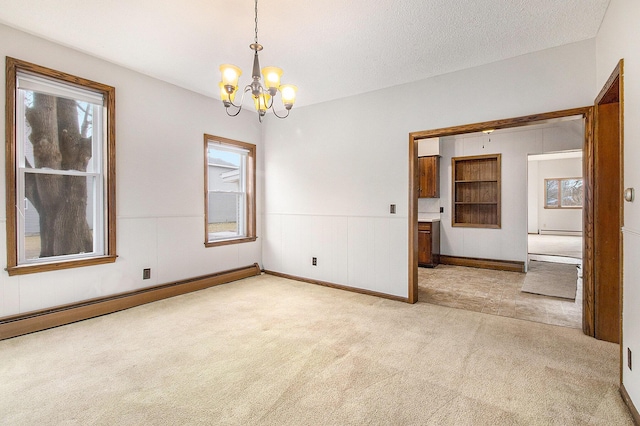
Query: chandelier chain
(256, 39)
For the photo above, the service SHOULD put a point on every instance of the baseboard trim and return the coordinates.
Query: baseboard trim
(339, 287)
(632, 408)
(557, 232)
(30, 322)
(500, 265)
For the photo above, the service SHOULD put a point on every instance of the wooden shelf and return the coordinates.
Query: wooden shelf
(476, 191)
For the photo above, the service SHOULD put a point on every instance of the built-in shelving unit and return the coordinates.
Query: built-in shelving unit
(476, 191)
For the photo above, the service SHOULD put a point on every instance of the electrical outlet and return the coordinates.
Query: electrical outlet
(314, 261)
(146, 273)
(629, 358)
(392, 209)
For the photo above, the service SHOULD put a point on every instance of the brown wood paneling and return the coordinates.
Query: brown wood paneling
(40, 320)
(607, 225)
(340, 287)
(500, 265)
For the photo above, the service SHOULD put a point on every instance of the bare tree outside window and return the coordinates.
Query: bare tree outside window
(60, 169)
(563, 193)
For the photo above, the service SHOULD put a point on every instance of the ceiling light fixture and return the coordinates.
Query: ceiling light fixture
(262, 97)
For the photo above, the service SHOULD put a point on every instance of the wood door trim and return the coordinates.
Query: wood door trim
(414, 137)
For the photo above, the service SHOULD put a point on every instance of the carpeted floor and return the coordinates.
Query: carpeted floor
(271, 351)
(496, 293)
(555, 245)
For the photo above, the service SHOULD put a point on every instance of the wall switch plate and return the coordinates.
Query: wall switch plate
(629, 358)
(441, 209)
(146, 273)
(314, 261)
(392, 209)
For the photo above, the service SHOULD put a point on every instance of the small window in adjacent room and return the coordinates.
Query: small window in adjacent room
(563, 193)
(230, 191)
(60, 170)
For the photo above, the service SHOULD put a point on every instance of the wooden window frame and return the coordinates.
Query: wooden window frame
(13, 66)
(250, 210)
(560, 206)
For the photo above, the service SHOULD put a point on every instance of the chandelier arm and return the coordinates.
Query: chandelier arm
(246, 89)
(276, 113)
(236, 113)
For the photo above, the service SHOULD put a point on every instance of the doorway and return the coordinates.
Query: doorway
(584, 113)
(491, 291)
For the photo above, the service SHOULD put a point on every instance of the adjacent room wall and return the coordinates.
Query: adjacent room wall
(160, 184)
(510, 241)
(559, 219)
(618, 38)
(332, 169)
(552, 219)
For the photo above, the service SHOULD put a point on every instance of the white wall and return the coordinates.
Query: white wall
(532, 197)
(332, 169)
(618, 38)
(510, 241)
(160, 203)
(552, 219)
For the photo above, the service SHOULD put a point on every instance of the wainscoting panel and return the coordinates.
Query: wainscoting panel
(368, 253)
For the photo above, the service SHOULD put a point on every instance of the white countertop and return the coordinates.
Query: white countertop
(428, 217)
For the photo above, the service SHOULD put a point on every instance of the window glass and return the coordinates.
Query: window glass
(229, 199)
(552, 193)
(564, 193)
(61, 173)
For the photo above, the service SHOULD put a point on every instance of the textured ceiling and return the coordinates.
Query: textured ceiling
(329, 49)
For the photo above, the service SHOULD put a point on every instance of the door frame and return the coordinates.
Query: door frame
(587, 114)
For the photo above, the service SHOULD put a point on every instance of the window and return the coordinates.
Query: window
(230, 191)
(563, 193)
(60, 170)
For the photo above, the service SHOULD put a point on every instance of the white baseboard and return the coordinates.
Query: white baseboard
(557, 232)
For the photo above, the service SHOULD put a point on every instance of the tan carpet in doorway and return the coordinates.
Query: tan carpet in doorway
(551, 279)
(271, 351)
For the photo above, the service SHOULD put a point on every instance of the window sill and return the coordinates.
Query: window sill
(55, 266)
(229, 241)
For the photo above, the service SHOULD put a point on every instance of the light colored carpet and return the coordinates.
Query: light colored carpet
(555, 245)
(551, 279)
(271, 351)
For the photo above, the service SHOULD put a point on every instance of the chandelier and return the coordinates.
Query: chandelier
(262, 96)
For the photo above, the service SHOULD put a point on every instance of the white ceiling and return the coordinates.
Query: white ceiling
(328, 48)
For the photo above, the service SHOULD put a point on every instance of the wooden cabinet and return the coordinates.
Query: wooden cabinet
(429, 243)
(429, 177)
(476, 191)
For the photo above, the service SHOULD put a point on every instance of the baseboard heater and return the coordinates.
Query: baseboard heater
(556, 232)
(30, 322)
